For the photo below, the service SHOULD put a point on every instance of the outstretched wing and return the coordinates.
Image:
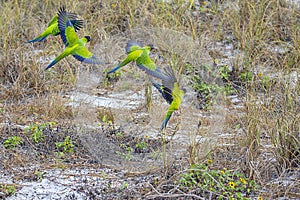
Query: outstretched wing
(132, 46)
(77, 23)
(66, 28)
(171, 78)
(53, 20)
(166, 92)
(150, 68)
(84, 55)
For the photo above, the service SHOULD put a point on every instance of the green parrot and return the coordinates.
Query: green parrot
(52, 28)
(74, 45)
(171, 93)
(136, 52)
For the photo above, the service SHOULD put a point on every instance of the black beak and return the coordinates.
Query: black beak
(88, 38)
(151, 46)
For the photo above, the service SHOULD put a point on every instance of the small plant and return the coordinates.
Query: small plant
(12, 142)
(8, 190)
(67, 145)
(141, 145)
(225, 72)
(36, 131)
(119, 134)
(39, 175)
(246, 76)
(208, 83)
(106, 120)
(128, 153)
(124, 185)
(104, 175)
(267, 82)
(226, 183)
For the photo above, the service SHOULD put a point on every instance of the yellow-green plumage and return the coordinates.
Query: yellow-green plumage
(135, 52)
(74, 45)
(52, 28)
(171, 92)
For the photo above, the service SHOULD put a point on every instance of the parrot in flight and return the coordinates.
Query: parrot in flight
(171, 93)
(52, 28)
(74, 45)
(136, 52)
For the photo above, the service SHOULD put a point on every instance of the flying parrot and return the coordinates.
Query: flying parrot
(52, 28)
(171, 93)
(74, 45)
(136, 52)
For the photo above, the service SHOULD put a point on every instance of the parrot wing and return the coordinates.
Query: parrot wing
(148, 66)
(170, 80)
(66, 28)
(53, 20)
(166, 92)
(84, 55)
(77, 23)
(132, 46)
(47, 32)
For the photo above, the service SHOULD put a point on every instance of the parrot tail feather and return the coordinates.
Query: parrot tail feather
(114, 69)
(38, 39)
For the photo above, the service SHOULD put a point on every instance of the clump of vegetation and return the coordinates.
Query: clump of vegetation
(7, 190)
(217, 184)
(12, 142)
(66, 146)
(36, 131)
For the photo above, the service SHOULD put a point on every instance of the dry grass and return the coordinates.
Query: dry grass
(265, 36)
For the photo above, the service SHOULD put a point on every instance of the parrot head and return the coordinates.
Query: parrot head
(151, 46)
(88, 38)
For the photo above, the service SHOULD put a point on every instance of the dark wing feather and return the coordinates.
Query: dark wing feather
(157, 73)
(170, 80)
(91, 60)
(131, 44)
(166, 92)
(63, 23)
(77, 23)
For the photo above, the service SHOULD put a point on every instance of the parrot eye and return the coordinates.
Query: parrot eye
(88, 38)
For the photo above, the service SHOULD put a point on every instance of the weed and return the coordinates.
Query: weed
(141, 145)
(124, 185)
(12, 142)
(36, 131)
(8, 190)
(209, 83)
(246, 76)
(66, 146)
(119, 134)
(148, 96)
(104, 175)
(225, 72)
(39, 175)
(105, 117)
(224, 184)
(128, 150)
